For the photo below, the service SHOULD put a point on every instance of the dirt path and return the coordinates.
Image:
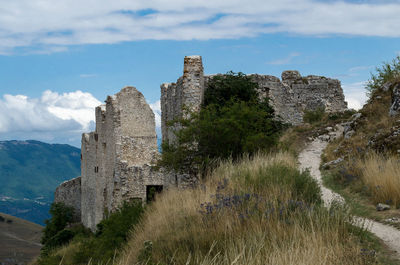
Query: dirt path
(310, 158)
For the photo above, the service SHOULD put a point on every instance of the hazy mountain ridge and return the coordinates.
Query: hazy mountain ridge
(29, 172)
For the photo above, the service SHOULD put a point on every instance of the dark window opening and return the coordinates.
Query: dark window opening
(96, 169)
(96, 137)
(151, 191)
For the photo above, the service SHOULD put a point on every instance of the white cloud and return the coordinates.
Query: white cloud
(288, 59)
(47, 117)
(156, 107)
(57, 24)
(87, 75)
(355, 94)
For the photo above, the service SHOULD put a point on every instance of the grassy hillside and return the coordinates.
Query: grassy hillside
(257, 211)
(29, 172)
(261, 210)
(19, 240)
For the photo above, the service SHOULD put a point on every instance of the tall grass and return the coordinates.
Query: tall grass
(382, 176)
(258, 211)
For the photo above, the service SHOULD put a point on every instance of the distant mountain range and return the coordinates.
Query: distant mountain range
(29, 173)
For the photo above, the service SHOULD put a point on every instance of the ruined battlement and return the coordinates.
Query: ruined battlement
(117, 159)
(124, 138)
(290, 96)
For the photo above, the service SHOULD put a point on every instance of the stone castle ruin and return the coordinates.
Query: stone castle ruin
(118, 158)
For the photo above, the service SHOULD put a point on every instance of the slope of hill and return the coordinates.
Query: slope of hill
(19, 240)
(29, 172)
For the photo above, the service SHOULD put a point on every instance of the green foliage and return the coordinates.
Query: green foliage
(314, 116)
(101, 247)
(232, 121)
(61, 215)
(222, 89)
(387, 72)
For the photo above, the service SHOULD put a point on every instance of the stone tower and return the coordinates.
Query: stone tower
(117, 156)
(188, 91)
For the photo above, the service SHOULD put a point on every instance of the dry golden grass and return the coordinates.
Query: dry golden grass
(253, 232)
(382, 176)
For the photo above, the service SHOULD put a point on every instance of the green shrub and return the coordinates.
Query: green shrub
(111, 234)
(232, 121)
(314, 116)
(61, 215)
(387, 72)
(221, 89)
(98, 248)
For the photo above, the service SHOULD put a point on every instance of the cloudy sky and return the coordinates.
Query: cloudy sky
(60, 59)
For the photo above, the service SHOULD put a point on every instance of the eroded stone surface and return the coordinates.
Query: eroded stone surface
(121, 148)
(69, 192)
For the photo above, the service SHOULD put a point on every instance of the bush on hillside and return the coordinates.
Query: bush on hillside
(61, 215)
(231, 122)
(99, 248)
(389, 71)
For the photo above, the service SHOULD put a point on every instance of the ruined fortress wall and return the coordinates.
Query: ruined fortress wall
(289, 97)
(69, 192)
(137, 125)
(188, 91)
(117, 154)
(117, 157)
(89, 185)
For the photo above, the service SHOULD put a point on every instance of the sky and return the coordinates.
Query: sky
(60, 59)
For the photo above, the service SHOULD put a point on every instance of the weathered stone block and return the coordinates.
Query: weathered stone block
(69, 192)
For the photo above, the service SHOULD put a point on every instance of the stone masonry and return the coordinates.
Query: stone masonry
(117, 159)
(69, 192)
(290, 97)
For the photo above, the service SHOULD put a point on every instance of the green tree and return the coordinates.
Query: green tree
(61, 215)
(232, 121)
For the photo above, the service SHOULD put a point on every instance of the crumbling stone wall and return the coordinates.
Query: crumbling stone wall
(116, 157)
(188, 91)
(290, 97)
(69, 192)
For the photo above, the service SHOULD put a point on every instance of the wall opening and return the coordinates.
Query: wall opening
(151, 191)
